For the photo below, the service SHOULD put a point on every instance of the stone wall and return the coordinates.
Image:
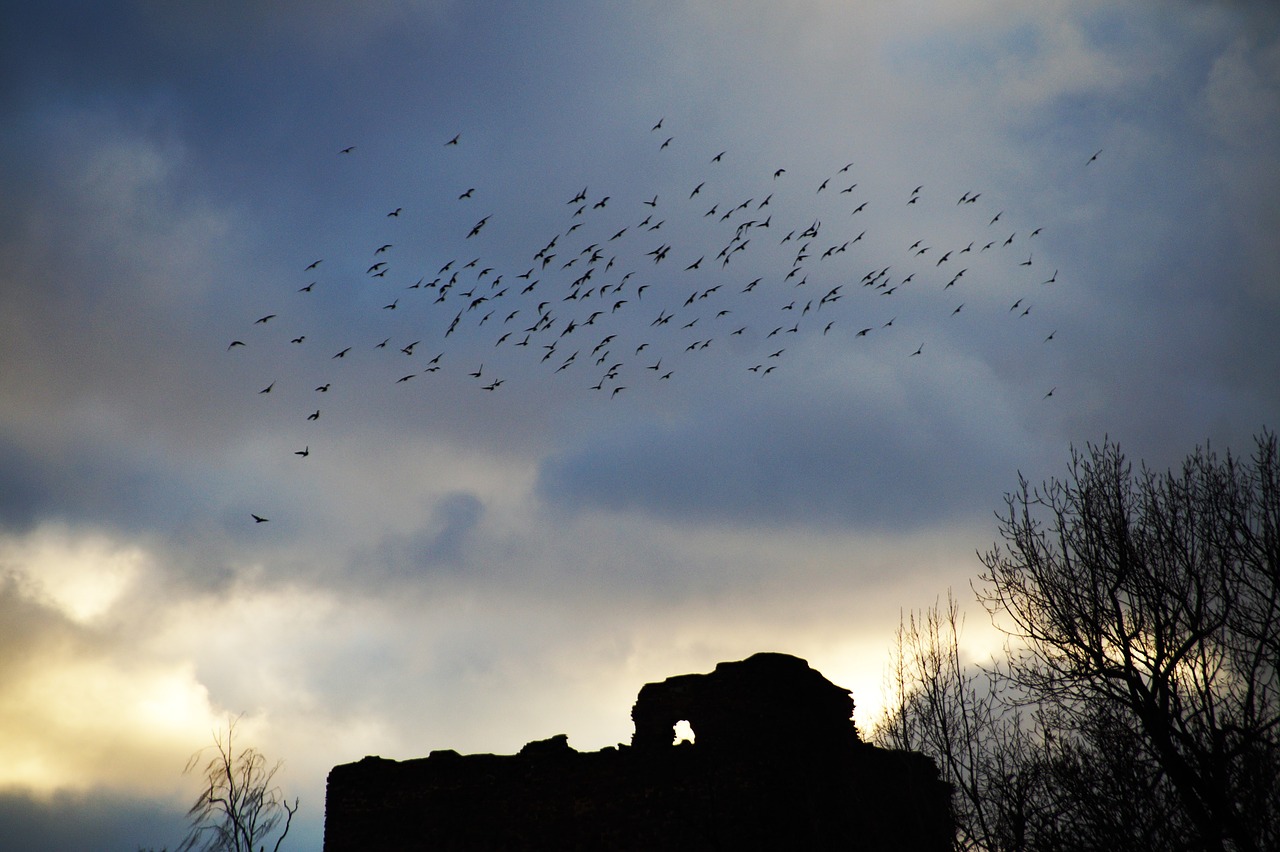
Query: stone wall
(776, 765)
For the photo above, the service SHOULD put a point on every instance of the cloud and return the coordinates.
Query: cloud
(103, 820)
(76, 714)
(806, 457)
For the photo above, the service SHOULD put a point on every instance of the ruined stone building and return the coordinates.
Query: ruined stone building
(776, 763)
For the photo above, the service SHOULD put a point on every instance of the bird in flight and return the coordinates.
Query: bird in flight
(304, 452)
(1094, 157)
(454, 140)
(258, 519)
(348, 149)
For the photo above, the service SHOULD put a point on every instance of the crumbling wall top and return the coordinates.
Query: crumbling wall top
(768, 701)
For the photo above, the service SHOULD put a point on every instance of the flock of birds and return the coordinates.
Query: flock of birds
(627, 293)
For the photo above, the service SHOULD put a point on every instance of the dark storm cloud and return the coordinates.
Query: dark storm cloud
(25, 494)
(828, 461)
(105, 821)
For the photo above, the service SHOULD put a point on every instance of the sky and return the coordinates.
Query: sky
(636, 437)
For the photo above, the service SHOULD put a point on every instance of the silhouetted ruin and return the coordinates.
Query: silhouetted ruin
(776, 763)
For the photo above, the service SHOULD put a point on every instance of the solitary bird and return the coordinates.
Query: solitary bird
(304, 452)
(258, 519)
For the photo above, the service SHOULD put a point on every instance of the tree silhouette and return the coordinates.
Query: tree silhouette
(241, 807)
(1138, 701)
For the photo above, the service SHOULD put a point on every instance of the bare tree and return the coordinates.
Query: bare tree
(1151, 603)
(985, 746)
(241, 807)
(1138, 702)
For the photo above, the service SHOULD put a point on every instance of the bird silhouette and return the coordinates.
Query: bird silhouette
(594, 288)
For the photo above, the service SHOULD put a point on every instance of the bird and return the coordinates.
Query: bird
(234, 343)
(342, 354)
(314, 264)
(315, 415)
(919, 349)
(395, 212)
(1094, 157)
(258, 519)
(348, 149)
(467, 194)
(268, 388)
(304, 452)
(264, 320)
(454, 140)
(1050, 393)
